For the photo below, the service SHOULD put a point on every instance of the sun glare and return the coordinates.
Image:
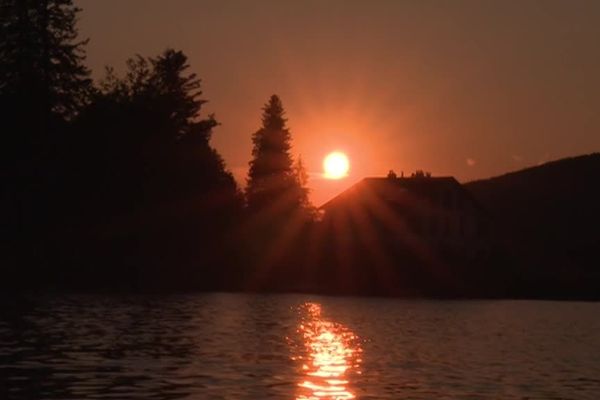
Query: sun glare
(336, 165)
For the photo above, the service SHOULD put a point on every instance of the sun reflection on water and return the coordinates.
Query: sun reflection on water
(331, 354)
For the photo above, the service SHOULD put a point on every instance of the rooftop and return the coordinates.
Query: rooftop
(425, 186)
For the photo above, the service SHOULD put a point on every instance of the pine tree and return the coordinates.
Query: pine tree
(41, 58)
(43, 84)
(301, 177)
(178, 90)
(272, 180)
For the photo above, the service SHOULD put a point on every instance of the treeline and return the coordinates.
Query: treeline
(115, 184)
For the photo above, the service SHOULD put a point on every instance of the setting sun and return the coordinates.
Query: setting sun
(336, 165)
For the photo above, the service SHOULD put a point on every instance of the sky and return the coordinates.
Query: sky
(471, 89)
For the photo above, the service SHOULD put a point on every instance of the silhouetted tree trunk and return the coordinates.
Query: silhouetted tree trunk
(278, 210)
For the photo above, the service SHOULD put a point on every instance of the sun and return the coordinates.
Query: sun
(336, 165)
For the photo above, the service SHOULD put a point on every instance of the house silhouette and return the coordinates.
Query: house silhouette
(434, 213)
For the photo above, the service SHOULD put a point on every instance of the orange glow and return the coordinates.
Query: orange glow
(333, 351)
(336, 165)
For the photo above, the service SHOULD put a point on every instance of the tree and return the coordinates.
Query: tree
(301, 177)
(43, 84)
(152, 133)
(273, 183)
(179, 91)
(41, 58)
(146, 159)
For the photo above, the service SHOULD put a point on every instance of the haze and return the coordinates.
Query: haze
(464, 88)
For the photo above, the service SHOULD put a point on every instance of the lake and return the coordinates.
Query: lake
(230, 346)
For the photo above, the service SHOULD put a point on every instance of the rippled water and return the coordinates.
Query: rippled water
(296, 347)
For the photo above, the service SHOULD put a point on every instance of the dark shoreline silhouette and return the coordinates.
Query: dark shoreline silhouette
(247, 260)
(114, 186)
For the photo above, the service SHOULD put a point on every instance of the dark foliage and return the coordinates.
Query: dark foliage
(42, 59)
(275, 184)
(279, 215)
(43, 83)
(157, 189)
(108, 187)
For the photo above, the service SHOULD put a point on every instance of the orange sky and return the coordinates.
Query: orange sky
(464, 88)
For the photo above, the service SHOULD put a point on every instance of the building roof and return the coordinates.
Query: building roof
(425, 187)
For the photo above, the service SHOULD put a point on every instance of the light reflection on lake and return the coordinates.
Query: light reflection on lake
(332, 355)
(246, 346)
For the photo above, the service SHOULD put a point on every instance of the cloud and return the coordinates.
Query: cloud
(316, 175)
(240, 173)
(471, 162)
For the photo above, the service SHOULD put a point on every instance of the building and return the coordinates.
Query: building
(420, 211)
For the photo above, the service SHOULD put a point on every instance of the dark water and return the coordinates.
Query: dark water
(297, 347)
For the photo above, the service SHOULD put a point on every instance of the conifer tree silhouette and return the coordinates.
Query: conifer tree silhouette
(273, 182)
(41, 57)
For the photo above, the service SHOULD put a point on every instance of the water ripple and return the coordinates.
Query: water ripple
(290, 346)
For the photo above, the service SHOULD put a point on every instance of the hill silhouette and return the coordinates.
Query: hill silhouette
(548, 216)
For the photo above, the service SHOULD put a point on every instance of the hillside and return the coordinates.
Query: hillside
(549, 217)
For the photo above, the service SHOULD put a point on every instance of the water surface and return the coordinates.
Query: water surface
(226, 346)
